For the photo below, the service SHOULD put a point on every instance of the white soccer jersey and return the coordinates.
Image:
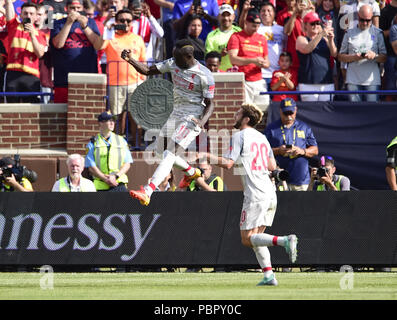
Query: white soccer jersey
(191, 86)
(251, 150)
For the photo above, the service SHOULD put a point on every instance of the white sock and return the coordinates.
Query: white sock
(181, 163)
(263, 257)
(264, 239)
(161, 172)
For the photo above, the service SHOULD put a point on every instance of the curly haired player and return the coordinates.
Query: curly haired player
(251, 151)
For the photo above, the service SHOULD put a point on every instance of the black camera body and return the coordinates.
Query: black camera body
(18, 171)
(26, 20)
(279, 175)
(322, 172)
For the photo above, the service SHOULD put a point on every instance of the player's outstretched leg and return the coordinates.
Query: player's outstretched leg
(290, 245)
(141, 195)
(190, 175)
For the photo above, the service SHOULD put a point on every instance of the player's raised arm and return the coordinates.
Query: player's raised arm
(139, 66)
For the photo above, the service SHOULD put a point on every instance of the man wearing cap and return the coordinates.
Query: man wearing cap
(9, 183)
(217, 39)
(108, 157)
(363, 48)
(274, 34)
(74, 182)
(314, 52)
(293, 143)
(74, 41)
(328, 180)
(248, 50)
(26, 46)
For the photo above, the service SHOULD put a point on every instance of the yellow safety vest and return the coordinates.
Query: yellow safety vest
(24, 183)
(64, 185)
(321, 187)
(192, 185)
(109, 159)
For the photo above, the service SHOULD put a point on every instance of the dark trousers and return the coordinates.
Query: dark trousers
(120, 188)
(17, 81)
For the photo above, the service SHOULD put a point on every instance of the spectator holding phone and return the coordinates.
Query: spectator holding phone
(363, 48)
(207, 10)
(123, 78)
(74, 41)
(146, 25)
(26, 46)
(314, 52)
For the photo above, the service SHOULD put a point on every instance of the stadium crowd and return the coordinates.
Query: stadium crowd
(306, 45)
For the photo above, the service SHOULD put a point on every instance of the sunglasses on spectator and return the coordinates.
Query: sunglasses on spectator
(315, 23)
(125, 20)
(288, 113)
(364, 20)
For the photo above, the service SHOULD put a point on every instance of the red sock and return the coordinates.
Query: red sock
(151, 185)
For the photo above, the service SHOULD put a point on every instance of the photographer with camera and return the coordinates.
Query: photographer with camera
(391, 164)
(279, 178)
(14, 177)
(325, 179)
(26, 46)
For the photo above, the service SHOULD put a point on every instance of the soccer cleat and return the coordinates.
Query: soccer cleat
(270, 281)
(185, 182)
(141, 195)
(291, 243)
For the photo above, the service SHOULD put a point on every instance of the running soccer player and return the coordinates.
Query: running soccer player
(251, 151)
(194, 88)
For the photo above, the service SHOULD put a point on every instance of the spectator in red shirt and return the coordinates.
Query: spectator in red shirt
(285, 13)
(293, 28)
(248, 50)
(284, 79)
(26, 45)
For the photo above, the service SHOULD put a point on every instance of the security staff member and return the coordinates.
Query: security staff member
(390, 169)
(108, 157)
(207, 181)
(293, 143)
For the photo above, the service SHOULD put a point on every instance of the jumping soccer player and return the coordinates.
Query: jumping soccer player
(251, 149)
(193, 90)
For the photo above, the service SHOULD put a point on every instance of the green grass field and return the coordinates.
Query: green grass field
(197, 286)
